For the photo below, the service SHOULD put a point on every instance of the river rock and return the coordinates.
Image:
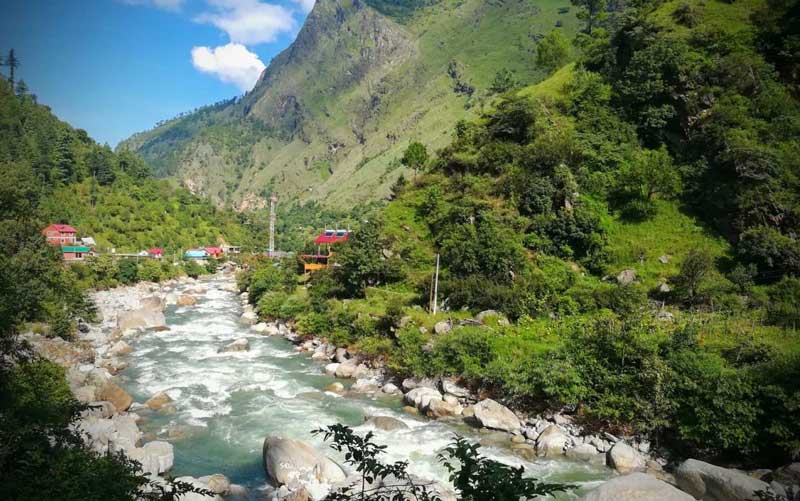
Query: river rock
(336, 387)
(155, 457)
(331, 368)
(584, 452)
(193, 496)
(288, 461)
(346, 370)
(491, 414)
(390, 388)
(120, 348)
(551, 442)
(713, 483)
(101, 409)
(241, 344)
(217, 483)
(451, 388)
(625, 459)
(788, 475)
(385, 423)
(441, 408)
(158, 401)
(421, 397)
(410, 383)
(116, 395)
(186, 300)
(365, 386)
(342, 355)
(144, 318)
(636, 487)
(126, 433)
(249, 318)
(260, 327)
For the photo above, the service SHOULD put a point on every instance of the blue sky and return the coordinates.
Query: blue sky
(115, 67)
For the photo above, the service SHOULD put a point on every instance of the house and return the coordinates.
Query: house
(75, 252)
(322, 259)
(215, 252)
(88, 242)
(196, 254)
(231, 249)
(60, 234)
(155, 252)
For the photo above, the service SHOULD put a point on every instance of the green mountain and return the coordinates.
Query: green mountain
(331, 115)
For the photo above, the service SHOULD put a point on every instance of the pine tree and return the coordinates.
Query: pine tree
(13, 63)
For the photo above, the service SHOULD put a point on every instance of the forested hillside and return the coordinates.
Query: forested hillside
(331, 115)
(634, 216)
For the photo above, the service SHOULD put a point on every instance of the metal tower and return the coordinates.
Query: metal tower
(273, 216)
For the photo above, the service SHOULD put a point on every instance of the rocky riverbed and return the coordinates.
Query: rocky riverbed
(184, 379)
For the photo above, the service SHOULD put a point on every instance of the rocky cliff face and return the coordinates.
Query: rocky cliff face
(330, 116)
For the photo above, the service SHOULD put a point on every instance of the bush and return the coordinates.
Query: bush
(783, 307)
(150, 271)
(127, 271)
(271, 303)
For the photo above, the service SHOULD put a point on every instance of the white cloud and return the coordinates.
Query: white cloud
(249, 22)
(173, 5)
(231, 63)
(307, 5)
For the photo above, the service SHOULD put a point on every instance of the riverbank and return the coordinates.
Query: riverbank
(109, 357)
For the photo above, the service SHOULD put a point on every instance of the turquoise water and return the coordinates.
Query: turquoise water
(226, 403)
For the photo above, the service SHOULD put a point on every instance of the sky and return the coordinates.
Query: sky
(116, 67)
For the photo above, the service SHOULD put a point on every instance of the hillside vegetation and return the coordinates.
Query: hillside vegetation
(634, 216)
(330, 117)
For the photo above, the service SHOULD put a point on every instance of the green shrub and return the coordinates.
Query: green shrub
(150, 271)
(783, 307)
(127, 271)
(269, 305)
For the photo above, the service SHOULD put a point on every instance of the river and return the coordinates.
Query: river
(226, 403)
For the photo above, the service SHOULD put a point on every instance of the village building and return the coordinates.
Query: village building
(197, 254)
(60, 234)
(325, 241)
(65, 236)
(215, 252)
(155, 252)
(75, 252)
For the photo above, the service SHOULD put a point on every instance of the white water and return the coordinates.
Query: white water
(228, 402)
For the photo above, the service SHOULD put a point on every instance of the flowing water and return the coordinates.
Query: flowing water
(226, 403)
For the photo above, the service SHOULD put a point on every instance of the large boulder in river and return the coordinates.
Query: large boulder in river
(186, 300)
(120, 348)
(147, 317)
(713, 483)
(385, 423)
(241, 344)
(490, 414)
(551, 442)
(421, 397)
(158, 401)
(442, 408)
(120, 398)
(290, 461)
(625, 459)
(249, 318)
(155, 457)
(636, 487)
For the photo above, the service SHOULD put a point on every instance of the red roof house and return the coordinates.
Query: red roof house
(214, 251)
(60, 234)
(156, 252)
(331, 237)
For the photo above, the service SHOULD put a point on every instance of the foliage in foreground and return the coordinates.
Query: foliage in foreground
(474, 477)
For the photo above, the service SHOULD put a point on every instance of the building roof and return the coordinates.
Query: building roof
(332, 237)
(213, 250)
(75, 248)
(63, 228)
(88, 241)
(155, 251)
(196, 253)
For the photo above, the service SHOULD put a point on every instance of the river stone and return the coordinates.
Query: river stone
(193, 496)
(551, 442)
(186, 300)
(116, 395)
(126, 433)
(468, 411)
(345, 370)
(625, 459)
(320, 356)
(241, 344)
(454, 389)
(342, 355)
(331, 368)
(788, 475)
(335, 387)
(385, 423)
(421, 397)
(390, 389)
(217, 483)
(101, 409)
(260, 327)
(491, 414)
(158, 401)
(144, 318)
(120, 348)
(155, 457)
(440, 408)
(636, 487)
(713, 483)
(365, 386)
(583, 452)
(287, 460)
(249, 318)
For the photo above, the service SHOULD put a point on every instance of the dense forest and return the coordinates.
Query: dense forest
(634, 216)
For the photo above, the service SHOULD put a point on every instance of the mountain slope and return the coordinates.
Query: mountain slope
(331, 115)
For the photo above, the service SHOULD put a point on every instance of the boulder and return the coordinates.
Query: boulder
(441, 408)
(217, 483)
(158, 401)
(146, 317)
(365, 386)
(626, 277)
(421, 397)
(636, 487)
(390, 388)
(287, 460)
(625, 459)
(193, 496)
(241, 344)
(788, 475)
(331, 368)
(118, 397)
(126, 433)
(491, 414)
(410, 383)
(486, 315)
(442, 327)
(260, 327)
(335, 387)
(713, 483)
(120, 348)
(346, 370)
(551, 442)
(249, 318)
(101, 409)
(155, 457)
(186, 300)
(583, 452)
(385, 423)
(451, 388)
(342, 355)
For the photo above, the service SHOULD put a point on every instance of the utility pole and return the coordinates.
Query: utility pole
(436, 286)
(273, 201)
